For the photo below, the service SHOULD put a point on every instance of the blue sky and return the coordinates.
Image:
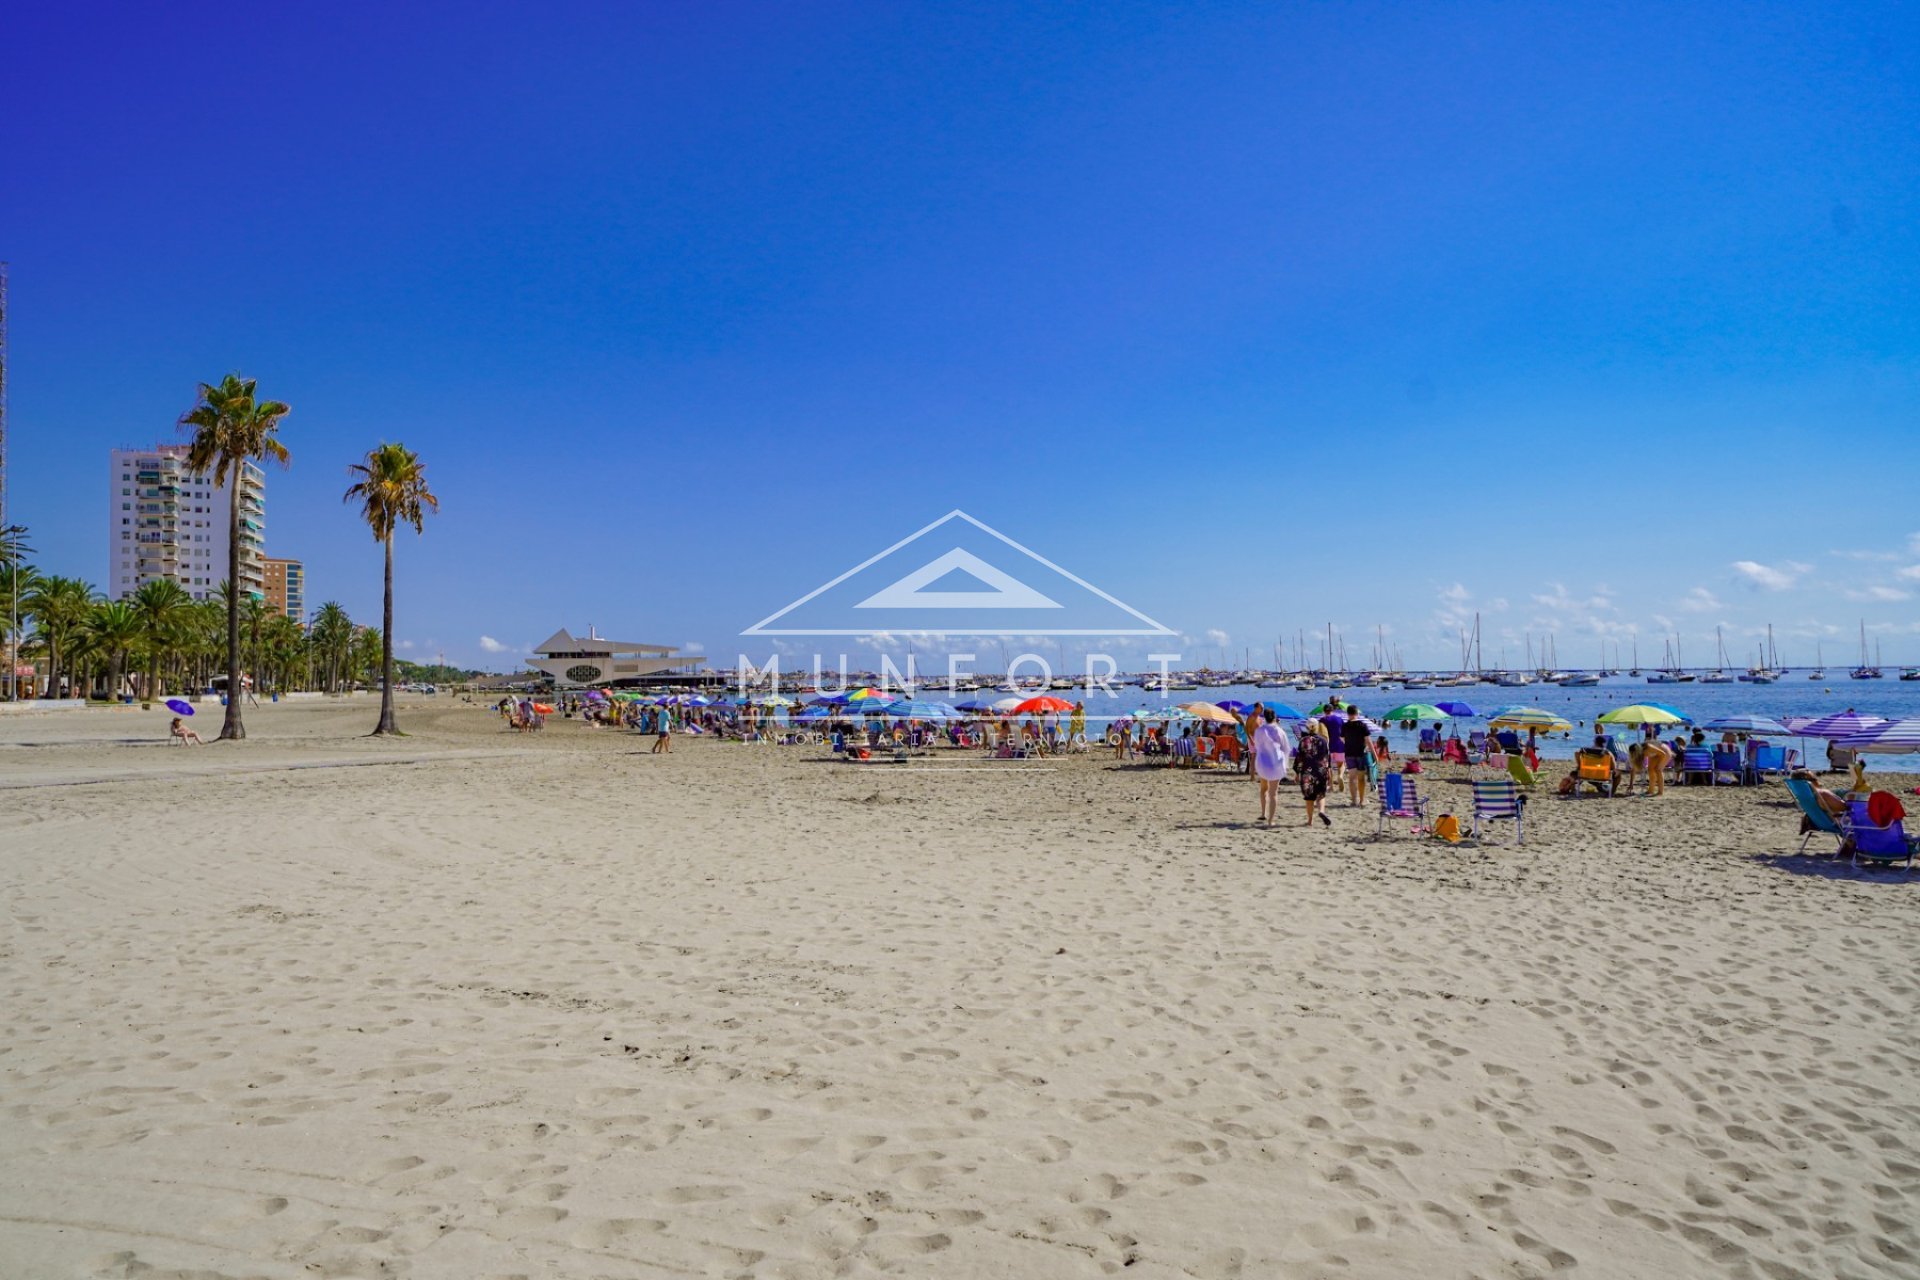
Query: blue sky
(1600, 322)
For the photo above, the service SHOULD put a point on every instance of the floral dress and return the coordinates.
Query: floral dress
(1314, 766)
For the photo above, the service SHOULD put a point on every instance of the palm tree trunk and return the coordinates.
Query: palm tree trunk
(386, 649)
(231, 727)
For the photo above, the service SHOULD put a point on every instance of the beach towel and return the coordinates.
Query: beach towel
(1884, 809)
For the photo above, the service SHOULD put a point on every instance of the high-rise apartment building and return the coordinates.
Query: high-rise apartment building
(163, 521)
(286, 587)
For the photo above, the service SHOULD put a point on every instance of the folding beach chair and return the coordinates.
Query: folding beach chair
(1874, 842)
(1429, 742)
(1400, 798)
(1819, 821)
(1455, 753)
(1496, 800)
(1696, 766)
(1476, 743)
(1518, 770)
(1596, 767)
(1728, 765)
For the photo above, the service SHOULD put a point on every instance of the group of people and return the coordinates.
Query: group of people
(1338, 750)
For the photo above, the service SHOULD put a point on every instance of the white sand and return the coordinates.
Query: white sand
(477, 1005)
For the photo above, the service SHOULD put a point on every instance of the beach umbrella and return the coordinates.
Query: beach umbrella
(1415, 711)
(1670, 709)
(1006, 705)
(1530, 718)
(179, 706)
(1841, 724)
(813, 711)
(773, 700)
(1281, 711)
(1641, 713)
(1746, 724)
(1207, 711)
(1894, 737)
(1163, 713)
(1238, 708)
(977, 707)
(872, 707)
(1044, 703)
(1457, 709)
(914, 709)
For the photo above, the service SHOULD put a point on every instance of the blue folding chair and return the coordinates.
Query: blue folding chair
(1876, 843)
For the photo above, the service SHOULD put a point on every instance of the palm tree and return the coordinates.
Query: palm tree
(58, 605)
(230, 427)
(392, 490)
(331, 637)
(113, 629)
(161, 604)
(16, 581)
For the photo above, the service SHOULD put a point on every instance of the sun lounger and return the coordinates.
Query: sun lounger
(1866, 839)
(1818, 820)
(1496, 801)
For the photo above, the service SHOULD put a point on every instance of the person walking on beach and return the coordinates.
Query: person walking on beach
(1314, 764)
(1335, 725)
(1270, 751)
(663, 724)
(1358, 739)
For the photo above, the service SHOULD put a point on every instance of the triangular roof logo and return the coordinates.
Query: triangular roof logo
(958, 576)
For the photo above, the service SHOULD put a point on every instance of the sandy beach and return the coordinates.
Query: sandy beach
(473, 1004)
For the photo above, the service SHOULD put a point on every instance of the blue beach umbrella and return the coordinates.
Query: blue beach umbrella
(1460, 709)
(914, 709)
(1746, 724)
(180, 706)
(1281, 711)
(1238, 708)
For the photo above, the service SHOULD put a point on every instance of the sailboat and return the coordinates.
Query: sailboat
(1672, 674)
(1719, 674)
(1819, 671)
(1865, 671)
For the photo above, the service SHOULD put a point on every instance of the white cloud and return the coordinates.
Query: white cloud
(692, 646)
(1911, 573)
(489, 645)
(1880, 595)
(1770, 577)
(1699, 600)
(1215, 636)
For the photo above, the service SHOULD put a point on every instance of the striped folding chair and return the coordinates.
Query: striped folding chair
(1400, 798)
(1495, 800)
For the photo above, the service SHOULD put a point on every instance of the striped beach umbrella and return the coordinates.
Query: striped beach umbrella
(1893, 737)
(1641, 713)
(1530, 718)
(1841, 724)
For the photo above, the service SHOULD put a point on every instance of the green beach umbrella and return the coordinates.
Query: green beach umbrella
(1415, 711)
(1640, 713)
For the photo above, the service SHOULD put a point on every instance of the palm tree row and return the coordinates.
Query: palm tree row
(160, 641)
(160, 638)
